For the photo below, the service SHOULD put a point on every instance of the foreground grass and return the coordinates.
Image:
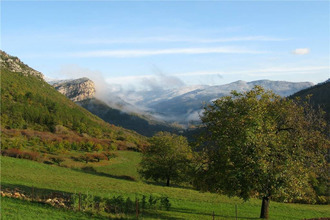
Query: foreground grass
(19, 209)
(186, 203)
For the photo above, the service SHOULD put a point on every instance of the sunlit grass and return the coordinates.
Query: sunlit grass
(186, 203)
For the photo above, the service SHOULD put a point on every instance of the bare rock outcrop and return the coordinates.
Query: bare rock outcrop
(76, 90)
(14, 64)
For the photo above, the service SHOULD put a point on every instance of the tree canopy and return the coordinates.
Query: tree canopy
(167, 158)
(257, 143)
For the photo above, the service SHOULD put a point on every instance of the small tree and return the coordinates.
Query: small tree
(167, 158)
(109, 154)
(257, 143)
(87, 157)
(99, 156)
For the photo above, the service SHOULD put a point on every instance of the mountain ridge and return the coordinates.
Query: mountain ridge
(188, 105)
(179, 105)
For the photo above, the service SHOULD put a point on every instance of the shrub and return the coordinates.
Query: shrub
(87, 158)
(99, 157)
(165, 203)
(12, 152)
(109, 154)
(30, 155)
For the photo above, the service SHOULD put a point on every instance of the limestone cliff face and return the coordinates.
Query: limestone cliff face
(76, 90)
(16, 65)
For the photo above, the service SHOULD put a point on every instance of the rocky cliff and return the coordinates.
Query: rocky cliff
(76, 90)
(14, 64)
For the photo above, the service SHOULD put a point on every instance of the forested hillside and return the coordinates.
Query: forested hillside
(29, 103)
(319, 96)
(136, 122)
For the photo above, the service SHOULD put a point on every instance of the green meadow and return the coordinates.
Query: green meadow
(119, 177)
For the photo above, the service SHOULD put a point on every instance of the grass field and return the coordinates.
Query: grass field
(109, 180)
(19, 209)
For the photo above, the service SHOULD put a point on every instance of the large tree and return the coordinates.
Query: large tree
(257, 143)
(167, 158)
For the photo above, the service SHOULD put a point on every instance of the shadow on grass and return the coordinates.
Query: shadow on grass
(164, 184)
(35, 192)
(91, 170)
(210, 214)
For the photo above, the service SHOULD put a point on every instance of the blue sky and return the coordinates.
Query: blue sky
(193, 42)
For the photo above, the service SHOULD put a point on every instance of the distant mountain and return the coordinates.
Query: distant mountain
(320, 96)
(142, 124)
(116, 111)
(30, 104)
(76, 90)
(185, 104)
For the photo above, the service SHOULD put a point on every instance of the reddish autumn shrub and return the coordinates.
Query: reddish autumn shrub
(13, 152)
(99, 156)
(30, 155)
(87, 158)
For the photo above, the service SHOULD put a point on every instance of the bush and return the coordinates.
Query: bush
(30, 155)
(12, 152)
(87, 158)
(165, 203)
(99, 157)
(109, 154)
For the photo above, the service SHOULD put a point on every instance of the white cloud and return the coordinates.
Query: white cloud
(301, 51)
(140, 53)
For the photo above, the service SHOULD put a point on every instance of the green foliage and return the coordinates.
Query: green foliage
(165, 203)
(134, 122)
(257, 143)
(318, 96)
(167, 158)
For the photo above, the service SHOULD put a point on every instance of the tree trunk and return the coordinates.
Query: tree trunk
(264, 207)
(168, 181)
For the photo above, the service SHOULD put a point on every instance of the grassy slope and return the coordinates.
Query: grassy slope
(186, 203)
(19, 209)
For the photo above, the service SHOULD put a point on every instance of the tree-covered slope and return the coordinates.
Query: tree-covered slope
(320, 96)
(137, 123)
(28, 102)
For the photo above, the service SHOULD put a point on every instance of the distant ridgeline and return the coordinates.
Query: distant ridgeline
(82, 92)
(29, 104)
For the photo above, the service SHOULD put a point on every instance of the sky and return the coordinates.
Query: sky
(172, 43)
